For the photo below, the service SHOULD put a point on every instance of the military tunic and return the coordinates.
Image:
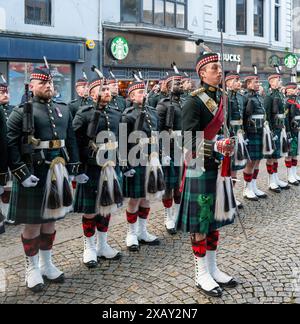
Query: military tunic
(254, 119)
(135, 187)
(119, 103)
(78, 104)
(293, 124)
(199, 193)
(52, 122)
(171, 173)
(275, 110)
(3, 145)
(7, 109)
(86, 194)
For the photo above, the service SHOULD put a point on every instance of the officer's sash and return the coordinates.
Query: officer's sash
(213, 128)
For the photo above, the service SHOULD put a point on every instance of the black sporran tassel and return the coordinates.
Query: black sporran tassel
(152, 187)
(268, 143)
(161, 185)
(105, 199)
(226, 198)
(117, 193)
(240, 155)
(285, 145)
(67, 194)
(232, 196)
(53, 199)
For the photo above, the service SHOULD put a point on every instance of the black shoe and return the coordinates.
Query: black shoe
(59, 280)
(134, 248)
(91, 264)
(153, 243)
(229, 285)
(172, 231)
(265, 196)
(37, 289)
(116, 258)
(2, 229)
(215, 293)
(251, 199)
(277, 190)
(296, 184)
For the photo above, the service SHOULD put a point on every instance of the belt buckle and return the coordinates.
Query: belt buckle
(55, 144)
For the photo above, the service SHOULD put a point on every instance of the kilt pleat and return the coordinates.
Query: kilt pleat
(255, 146)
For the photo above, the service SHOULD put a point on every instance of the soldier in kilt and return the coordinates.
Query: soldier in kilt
(236, 103)
(203, 112)
(118, 102)
(274, 105)
(140, 118)
(254, 120)
(96, 128)
(3, 164)
(82, 90)
(42, 146)
(293, 126)
(7, 109)
(170, 121)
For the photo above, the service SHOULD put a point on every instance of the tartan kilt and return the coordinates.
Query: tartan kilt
(294, 146)
(277, 145)
(198, 187)
(172, 176)
(255, 146)
(86, 194)
(135, 187)
(26, 204)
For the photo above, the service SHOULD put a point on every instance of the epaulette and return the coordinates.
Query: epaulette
(60, 103)
(197, 92)
(87, 108)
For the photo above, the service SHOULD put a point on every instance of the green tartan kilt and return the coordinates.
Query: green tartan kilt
(172, 176)
(294, 146)
(26, 204)
(194, 216)
(255, 146)
(135, 187)
(277, 145)
(86, 194)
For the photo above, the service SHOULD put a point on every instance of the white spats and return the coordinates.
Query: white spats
(48, 269)
(169, 219)
(143, 236)
(104, 250)
(132, 241)
(90, 253)
(218, 276)
(257, 192)
(33, 276)
(249, 192)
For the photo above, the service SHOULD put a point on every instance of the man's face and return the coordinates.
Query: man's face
(275, 83)
(105, 95)
(114, 88)
(4, 97)
(253, 85)
(211, 74)
(137, 96)
(291, 92)
(83, 90)
(176, 87)
(164, 87)
(42, 89)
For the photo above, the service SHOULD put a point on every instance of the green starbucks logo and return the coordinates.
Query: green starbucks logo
(291, 61)
(119, 48)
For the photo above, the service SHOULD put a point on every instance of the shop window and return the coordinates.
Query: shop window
(165, 13)
(241, 17)
(259, 18)
(19, 73)
(38, 12)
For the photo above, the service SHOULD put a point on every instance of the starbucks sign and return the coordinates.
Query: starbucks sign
(119, 48)
(291, 61)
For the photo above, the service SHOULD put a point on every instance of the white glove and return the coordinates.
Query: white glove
(130, 174)
(1, 190)
(30, 182)
(82, 178)
(166, 161)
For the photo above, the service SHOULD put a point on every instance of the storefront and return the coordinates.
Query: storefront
(153, 54)
(19, 56)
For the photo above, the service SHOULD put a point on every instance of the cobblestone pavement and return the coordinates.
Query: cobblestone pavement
(267, 265)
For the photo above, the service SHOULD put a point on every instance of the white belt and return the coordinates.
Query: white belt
(108, 146)
(236, 123)
(258, 117)
(145, 141)
(281, 116)
(50, 145)
(297, 118)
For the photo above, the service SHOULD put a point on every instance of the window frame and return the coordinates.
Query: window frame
(245, 32)
(28, 21)
(258, 34)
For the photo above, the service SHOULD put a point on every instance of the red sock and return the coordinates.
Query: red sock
(31, 247)
(294, 163)
(213, 241)
(248, 177)
(270, 169)
(288, 164)
(144, 213)
(132, 217)
(168, 203)
(275, 167)
(46, 241)
(255, 174)
(89, 227)
(199, 248)
(102, 223)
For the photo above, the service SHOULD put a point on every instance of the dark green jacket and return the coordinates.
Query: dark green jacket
(52, 121)
(79, 103)
(3, 145)
(163, 109)
(274, 106)
(7, 109)
(118, 103)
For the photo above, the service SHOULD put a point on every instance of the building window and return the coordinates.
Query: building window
(277, 19)
(19, 73)
(259, 18)
(165, 13)
(241, 17)
(38, 12)
(222, 16)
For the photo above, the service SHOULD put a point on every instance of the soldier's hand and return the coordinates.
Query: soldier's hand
(82, 178)
(1, 190)
(226, 147)
(31, 182)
